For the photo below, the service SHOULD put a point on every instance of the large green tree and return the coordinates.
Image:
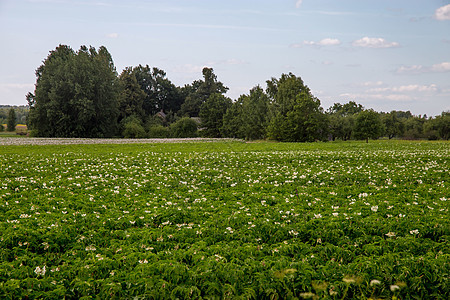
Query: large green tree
(11, 121)
(349, 108)
(232, 120)
(248, 116)
(438, 127)
(341, 119)
(296, 114)
(131, 96)
(255, 116)
(161, 93)
(393, 125)
(211, 114)
(75, 94)
(414, 127)
(341, 127)
(368, 125)
(200, 91)
(443, 125)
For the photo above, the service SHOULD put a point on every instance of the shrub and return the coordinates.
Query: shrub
(184, 128)
(158, 131)
(132, 128)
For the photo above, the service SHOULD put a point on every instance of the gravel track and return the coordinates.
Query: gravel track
(6, 141)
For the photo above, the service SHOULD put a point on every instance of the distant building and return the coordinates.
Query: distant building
(162, 115)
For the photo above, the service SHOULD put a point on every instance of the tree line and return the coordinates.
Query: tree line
(11, 116)
(80, 94)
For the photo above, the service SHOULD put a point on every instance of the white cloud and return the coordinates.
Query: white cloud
(298, 3)
(415, 88)
(377, 92)
(420, 69)
(442, 13)
(323, 42)
(378, 97)
(414, 69)
(189, 68)
(368, 42)
(442, 67)
(372, 83)
(16, 86)
(407, 88)
(112, 35)
(329, 42)
(395, 97)
(309, 43)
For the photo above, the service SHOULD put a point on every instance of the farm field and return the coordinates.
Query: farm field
(225, 219)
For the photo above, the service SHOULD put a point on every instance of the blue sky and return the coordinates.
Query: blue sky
(385, 54)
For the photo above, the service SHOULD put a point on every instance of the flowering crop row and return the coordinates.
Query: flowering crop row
(225, 219)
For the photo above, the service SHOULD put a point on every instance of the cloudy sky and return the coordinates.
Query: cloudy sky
(385, 54)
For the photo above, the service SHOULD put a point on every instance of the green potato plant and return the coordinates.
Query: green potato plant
(225, 220)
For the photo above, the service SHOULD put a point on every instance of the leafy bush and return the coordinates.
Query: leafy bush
(158, 131)
(184, 128)
(133, 128)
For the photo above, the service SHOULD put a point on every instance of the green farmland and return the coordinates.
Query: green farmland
(225, 220)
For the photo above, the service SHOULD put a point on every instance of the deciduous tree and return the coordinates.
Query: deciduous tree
(393, 126)
(11, 121)
(255, 114)
(232, 120)
(161, 93)
(75, 94)
(298, 116)
(368, 125)
(248, 116)
(341, 119)
(438, 127)
(211, 114)
(200, 91)
(131, 96)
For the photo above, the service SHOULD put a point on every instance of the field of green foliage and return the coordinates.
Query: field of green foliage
(221, 220)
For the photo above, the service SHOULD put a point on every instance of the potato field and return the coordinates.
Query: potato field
(225, 220)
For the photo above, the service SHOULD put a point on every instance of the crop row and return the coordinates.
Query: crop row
(225, 220)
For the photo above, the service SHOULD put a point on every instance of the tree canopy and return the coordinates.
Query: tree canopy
(200, 91)
(75, 95)
(212, 112)
(131, 96)
(12, 121)
(80, 94)
(368, 125)
(297, 114)
(161, 93)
